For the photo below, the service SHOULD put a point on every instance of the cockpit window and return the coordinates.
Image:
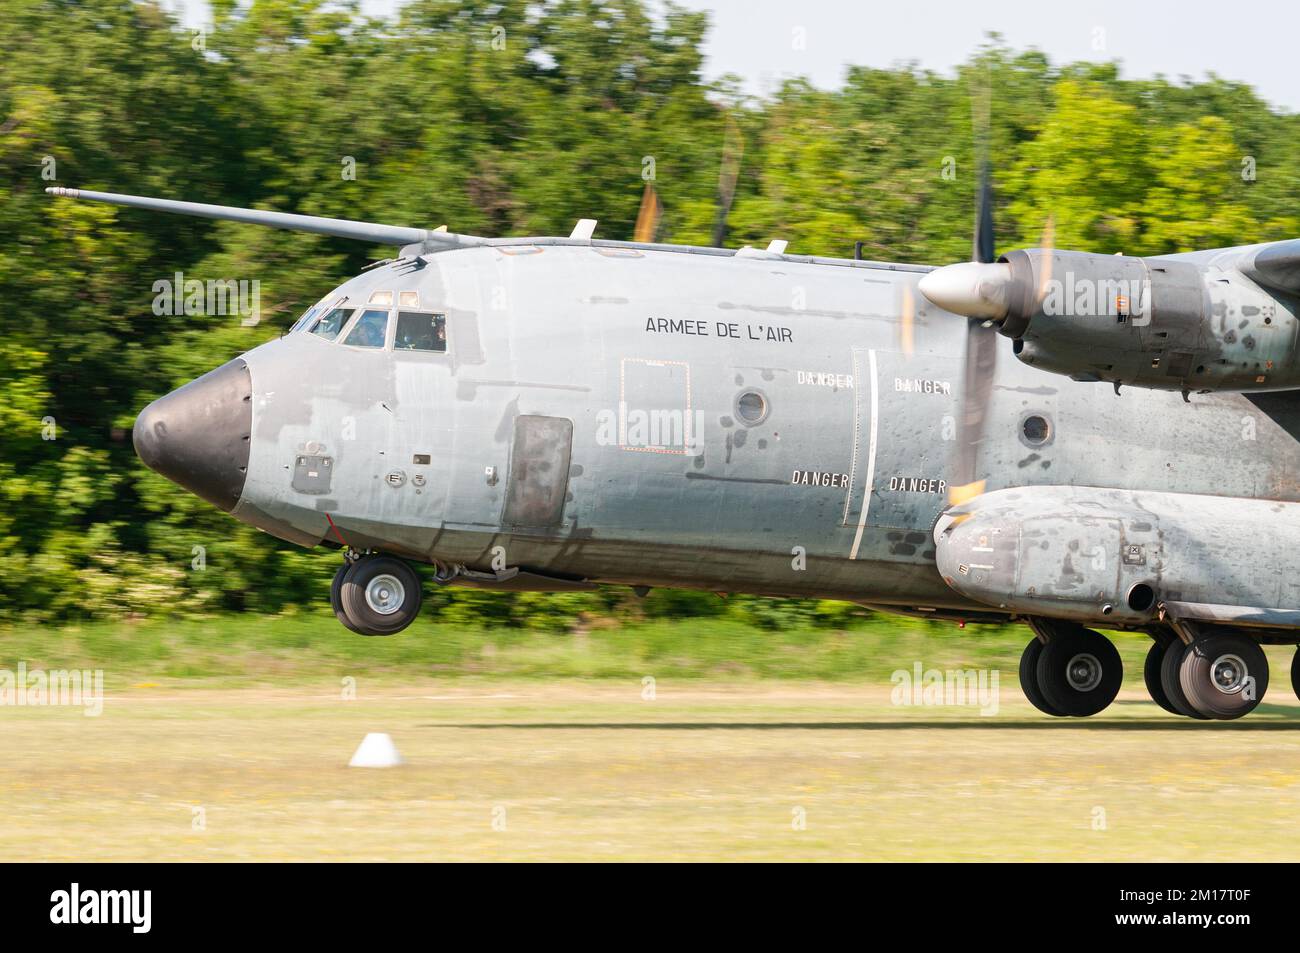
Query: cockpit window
(302, 322)
(420, 331)
(369, 330)
(329, 325)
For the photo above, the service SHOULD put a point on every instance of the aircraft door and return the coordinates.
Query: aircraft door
(538, 481)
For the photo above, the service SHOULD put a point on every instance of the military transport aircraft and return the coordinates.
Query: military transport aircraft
(1058, 438)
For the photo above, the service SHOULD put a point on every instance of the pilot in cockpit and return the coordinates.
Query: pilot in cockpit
(419, 331)
(369, 334)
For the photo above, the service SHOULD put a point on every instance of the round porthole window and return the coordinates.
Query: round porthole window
(751, 407)
(1036, 430)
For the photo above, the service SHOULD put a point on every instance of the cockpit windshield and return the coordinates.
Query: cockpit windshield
(329, 325)
(302, 322)
(370, 330)
(420, 331)
(413, 328)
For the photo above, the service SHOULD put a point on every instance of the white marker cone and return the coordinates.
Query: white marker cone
(376, 751)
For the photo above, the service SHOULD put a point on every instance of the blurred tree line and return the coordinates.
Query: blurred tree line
(504, 117)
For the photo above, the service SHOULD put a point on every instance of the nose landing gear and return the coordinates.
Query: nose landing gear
(375, 595)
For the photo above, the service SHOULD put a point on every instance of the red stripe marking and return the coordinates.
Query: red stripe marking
(336, 531)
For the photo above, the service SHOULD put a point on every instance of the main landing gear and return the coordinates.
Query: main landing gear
(1219, 674)
(1069, 670)
(375, 595)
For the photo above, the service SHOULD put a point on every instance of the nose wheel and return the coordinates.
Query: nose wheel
(376, 595)
(336, 598)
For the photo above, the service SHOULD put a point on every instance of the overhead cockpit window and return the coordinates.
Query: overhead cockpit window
(420, 331)
(329, 325)
(369, 330)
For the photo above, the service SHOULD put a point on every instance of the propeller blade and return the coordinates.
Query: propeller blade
(984, 251)
(980, 290)
(977, 383)
(1048, 244)
(647, 218)
(733, 150)
(907, 319)
(981, 339)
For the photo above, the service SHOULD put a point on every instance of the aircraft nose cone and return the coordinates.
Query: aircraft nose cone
(198, 435)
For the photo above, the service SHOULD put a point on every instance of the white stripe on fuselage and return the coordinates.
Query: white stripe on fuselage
(871, 457)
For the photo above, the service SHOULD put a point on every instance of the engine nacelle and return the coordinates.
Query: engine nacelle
(1160, 323)
(1121, 557)
(1149, 322)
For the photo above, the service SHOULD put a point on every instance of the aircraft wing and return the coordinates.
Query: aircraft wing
(1233, 615)
(341, 228)
(1276, 265)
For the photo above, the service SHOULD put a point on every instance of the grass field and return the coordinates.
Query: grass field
(239, 650)
(712, 767)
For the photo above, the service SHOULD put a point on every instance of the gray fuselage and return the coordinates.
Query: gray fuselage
(739, 423)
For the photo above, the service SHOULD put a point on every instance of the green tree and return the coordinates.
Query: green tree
(493, 117)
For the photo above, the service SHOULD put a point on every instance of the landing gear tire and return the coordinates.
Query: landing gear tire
(1224, 676)
(1172, 683)
(1151, 675)
(1029, 678)
(1079, 672)
(1295, 673)
(379, 595)
(336, 600)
